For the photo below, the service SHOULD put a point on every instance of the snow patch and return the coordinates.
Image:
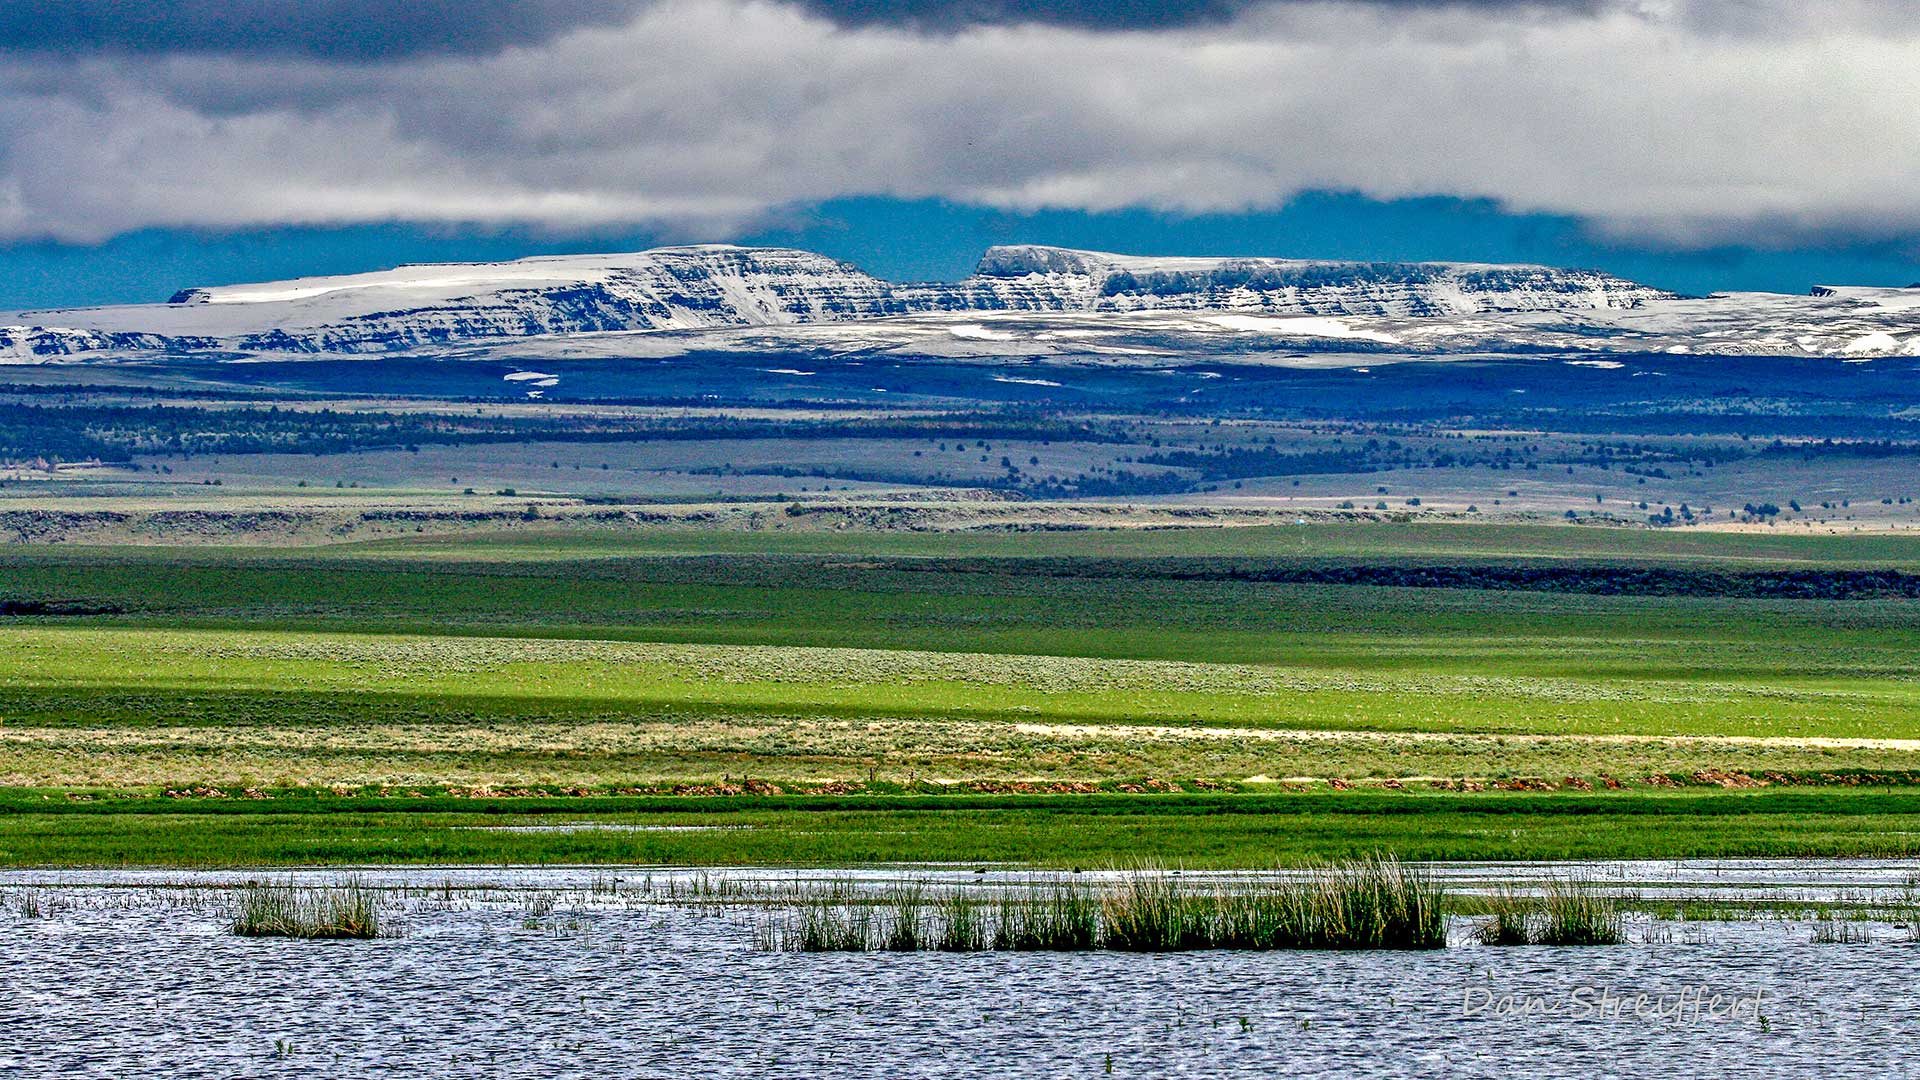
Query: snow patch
(1306, 326)
(979, 333)
(1878, 343)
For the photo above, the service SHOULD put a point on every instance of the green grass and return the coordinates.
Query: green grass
(330, 912)
(1565, 911)
(869, 664)
(1058, 831)
(135, 708)
(1574, 912)
(1508, 919)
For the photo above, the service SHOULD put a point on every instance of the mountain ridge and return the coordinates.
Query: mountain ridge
(717, 286)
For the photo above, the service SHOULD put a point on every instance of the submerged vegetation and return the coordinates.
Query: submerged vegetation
(1840, 932)
(1373, 903)
(346, 910)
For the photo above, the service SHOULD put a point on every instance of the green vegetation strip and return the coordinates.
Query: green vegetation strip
(39, 829)
(686, 662)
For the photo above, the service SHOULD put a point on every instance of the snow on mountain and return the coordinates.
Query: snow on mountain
(1039, 278)
(665, 289)
(1021, 300)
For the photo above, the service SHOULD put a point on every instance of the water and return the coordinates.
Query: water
(132, 974)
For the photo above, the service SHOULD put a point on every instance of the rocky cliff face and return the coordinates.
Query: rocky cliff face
(1033, 277)
(716, 286)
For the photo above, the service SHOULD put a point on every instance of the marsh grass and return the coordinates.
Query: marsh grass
(906, 924)
(832, 919)
(1372, 903)
(344, 911)
(1575, 912)
(965, 928)
(1565, 911)
(1061, 916)
(1367, 904)
(1149, 912)
(1508, 915)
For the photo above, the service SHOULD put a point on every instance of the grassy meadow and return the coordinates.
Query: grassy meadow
(1049, 697)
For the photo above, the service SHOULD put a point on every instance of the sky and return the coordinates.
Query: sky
(1697, 144)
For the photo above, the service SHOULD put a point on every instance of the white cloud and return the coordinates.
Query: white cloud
(1653, 118)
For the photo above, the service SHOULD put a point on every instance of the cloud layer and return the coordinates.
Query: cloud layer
(1686, 122)
(355, 30)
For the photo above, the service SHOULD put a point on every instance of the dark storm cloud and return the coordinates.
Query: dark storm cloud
(349, 30)
(1669, 119)
(1104, 14)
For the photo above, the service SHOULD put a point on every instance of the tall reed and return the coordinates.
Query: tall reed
(346, 910)
(1575, 912)
(1372, 903)
(1508, 916)
(1566, 911)
(1148, 912)
(906, 929)
(825, 924)
(1061, 916)
(965, 927)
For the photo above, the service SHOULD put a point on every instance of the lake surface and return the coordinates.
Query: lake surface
(590, 972)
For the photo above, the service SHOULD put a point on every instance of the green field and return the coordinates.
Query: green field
(1049, 830)
(1172, 692)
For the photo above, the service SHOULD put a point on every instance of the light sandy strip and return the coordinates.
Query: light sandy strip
(1155, 731)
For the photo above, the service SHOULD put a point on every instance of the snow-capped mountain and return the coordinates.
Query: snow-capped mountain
(720, 286)
(666, 289)
(1055, 279)
(1020, 301)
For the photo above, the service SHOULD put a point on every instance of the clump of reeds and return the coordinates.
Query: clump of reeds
(965, 927)
(1367, 904)
(1508, 915)
(347, 910)
(1372, 903)
(906, 925)
(832, 920)
(1062, 916)
(1149, 912)
(1567, 911)
(1576, 913)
